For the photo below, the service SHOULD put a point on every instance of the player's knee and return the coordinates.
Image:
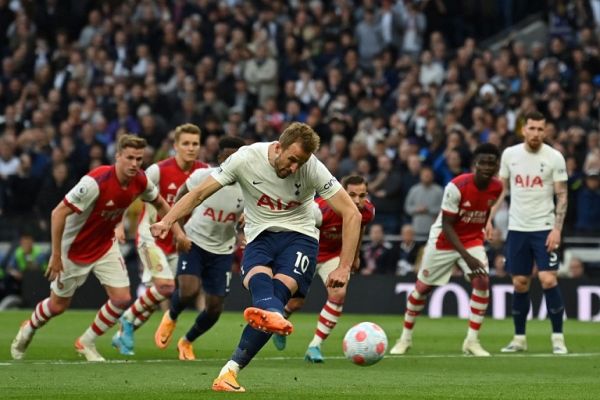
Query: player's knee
(338, 295)
(121, 301)
(57, 307)
(214, 309)
(480, 283)
(188, 295)
(295, 304)
(423, 288)
(166, 289)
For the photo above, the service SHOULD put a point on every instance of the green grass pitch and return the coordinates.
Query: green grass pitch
(434, 368)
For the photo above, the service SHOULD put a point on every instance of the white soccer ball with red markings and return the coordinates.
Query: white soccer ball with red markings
(365, 344)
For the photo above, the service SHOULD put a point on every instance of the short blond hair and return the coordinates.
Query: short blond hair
(129, 140)
(300, 133)
(187, 128)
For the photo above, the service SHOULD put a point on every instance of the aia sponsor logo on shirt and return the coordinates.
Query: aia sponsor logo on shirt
(219, 215)
(527, 181)
(276, 204)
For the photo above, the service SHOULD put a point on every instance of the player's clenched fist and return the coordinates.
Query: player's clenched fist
(160, 229)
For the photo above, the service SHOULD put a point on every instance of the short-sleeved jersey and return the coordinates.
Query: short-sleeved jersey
(168, 177)
(330, 242)
(212, 224)
(99, 202)
(472, 208)
(531, 177)
(272, 203)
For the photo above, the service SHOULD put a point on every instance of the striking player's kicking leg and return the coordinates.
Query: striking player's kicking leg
(45, 310)
(293, 257)
(414, 306)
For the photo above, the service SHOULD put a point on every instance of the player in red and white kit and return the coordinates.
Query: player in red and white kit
(330, 246)
(159, 256)
(83, 241)
(456, 237)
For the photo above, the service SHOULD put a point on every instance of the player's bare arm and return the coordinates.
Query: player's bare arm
(162, 207)
(473, 263)
(560, 211)
(185, 205)
(342, 204)
(505, 192)
(58, 218)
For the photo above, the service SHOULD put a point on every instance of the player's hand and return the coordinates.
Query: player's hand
(183, 243)
(553, 240)
(55, 267)
(120, 233)
(476, 266)
(338, 277)
(160, 229)
(489, 230)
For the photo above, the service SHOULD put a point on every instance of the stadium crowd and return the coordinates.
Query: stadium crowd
(399, 91)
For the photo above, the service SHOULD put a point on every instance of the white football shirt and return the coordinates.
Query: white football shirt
(212, 224)
(531, 177)
(272, 203)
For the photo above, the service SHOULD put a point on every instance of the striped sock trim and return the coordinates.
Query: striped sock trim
(328, 319)
(106, 318)
(478, 303)
(41, 314)
(414, 306)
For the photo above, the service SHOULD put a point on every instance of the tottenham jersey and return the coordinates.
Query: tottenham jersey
(99, 202)
(212, 224)
(531, 177)
(168, 177)
(272, 203)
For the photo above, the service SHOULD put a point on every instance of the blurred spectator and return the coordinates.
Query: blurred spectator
(494, 249)
(588, 204)
(261, 74)
(52, 191)
(407, 251)
(386, 194)
(423, 203)
(576, 269)
(27, 256)
(378, 253)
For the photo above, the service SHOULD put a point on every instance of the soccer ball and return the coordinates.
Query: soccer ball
(365, 344)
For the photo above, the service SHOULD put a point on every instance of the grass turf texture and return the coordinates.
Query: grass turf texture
(433, 369)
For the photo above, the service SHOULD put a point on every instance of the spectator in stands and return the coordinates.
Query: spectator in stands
(386, 194)
(27, 256)
(377, 254)
(52, 191)
(576, 269)
(423, 203)
(406, 251)
(588, 204)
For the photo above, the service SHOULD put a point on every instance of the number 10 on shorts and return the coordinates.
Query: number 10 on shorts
(301, 264)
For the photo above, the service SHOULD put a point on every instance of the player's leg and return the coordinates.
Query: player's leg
(158, 278)
(293, 257)
(519, 264)
(548, 274)
(478, 303)
(188, 285)
(62, 290)
(330, 313)
(112, 274)
(436, 269)
(216, 276)
(45, 310)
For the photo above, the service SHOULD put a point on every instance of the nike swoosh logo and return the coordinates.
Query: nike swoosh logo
(232, 386)
(256, 182)
(163, 341)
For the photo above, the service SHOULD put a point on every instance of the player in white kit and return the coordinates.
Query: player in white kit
(279, 181)
(212, 230)
(533, 173)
